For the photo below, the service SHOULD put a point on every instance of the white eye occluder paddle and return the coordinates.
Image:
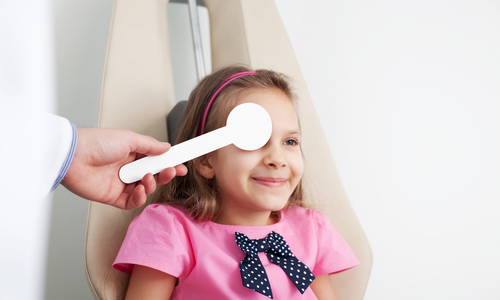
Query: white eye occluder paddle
(248, 127)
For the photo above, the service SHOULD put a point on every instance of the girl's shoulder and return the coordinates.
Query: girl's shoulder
(160, 208)
(309, 215)
(162, 214)
(156, 208)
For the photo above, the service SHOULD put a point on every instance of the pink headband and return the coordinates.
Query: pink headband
(225, 82)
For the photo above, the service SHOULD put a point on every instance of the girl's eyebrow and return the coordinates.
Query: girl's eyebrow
(294, 132)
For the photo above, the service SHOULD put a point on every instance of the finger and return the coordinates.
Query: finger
(149, 183)
(129, 188)
(181, 170)
(138, 197)
(166, 175)
(146, 145)
(121, 202)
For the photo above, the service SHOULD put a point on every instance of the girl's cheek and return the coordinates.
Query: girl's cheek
(300, 164)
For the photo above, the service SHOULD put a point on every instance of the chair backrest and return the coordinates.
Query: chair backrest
(174, 120)
(138, 82)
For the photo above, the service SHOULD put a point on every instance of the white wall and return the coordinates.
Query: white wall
(81, 33)
(409, 96)
(408, 93)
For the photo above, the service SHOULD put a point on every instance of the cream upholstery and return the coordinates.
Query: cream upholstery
(138, 82)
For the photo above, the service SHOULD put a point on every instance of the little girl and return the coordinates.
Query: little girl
(236, 226)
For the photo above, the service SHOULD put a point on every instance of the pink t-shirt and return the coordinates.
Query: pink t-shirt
(205, 257)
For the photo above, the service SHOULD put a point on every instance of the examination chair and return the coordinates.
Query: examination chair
(138, 93)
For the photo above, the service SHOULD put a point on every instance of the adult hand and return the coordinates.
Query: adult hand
(99, 155)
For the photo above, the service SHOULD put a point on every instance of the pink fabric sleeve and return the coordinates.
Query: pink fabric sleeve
(334, 254)
(156, 239)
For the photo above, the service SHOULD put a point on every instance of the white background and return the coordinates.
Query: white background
(408, 93)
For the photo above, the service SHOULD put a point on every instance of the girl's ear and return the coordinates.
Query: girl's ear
(204, 166)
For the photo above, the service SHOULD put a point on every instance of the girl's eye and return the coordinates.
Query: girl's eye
(291, 142)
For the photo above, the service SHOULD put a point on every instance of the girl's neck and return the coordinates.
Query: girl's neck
(257, 219)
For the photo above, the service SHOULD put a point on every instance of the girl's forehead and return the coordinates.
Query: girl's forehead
(279, 106)
(270, 98)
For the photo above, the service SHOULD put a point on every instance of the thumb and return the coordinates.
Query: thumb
(147, 145)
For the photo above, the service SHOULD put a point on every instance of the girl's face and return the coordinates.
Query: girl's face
(255, 183)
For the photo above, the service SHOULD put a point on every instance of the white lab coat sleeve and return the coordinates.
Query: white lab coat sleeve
(36, 150)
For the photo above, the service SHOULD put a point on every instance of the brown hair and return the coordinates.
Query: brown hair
(197, 194)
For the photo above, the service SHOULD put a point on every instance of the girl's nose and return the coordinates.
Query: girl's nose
(275, 157)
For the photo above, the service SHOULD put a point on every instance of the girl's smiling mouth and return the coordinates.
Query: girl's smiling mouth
(270, 181)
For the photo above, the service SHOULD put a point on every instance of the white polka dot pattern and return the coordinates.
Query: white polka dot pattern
(253, 274)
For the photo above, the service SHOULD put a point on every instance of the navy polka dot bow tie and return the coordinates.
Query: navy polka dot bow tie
(277, 250)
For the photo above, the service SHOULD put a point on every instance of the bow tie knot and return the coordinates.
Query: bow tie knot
(253, 274)
(273, 242)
